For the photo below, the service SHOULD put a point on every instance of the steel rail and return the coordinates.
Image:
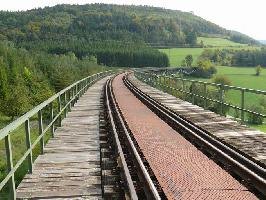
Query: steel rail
(130, 185)
(149, 187)
(241, 165)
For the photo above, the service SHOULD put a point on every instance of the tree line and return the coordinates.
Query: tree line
(107, 52)
(231, 57)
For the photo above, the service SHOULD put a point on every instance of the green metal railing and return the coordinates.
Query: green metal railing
(65, 100)
(175, 84)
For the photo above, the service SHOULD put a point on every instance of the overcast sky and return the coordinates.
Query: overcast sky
(246, 16)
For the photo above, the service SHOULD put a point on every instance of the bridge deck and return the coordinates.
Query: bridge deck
(70, 166)
(250, 141)
(181, 169)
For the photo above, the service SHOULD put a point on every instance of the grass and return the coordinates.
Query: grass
(176, 55)
(259, 127)
(243, 77)
(218, 42)
(18, 142)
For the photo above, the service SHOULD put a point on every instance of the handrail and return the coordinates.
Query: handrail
(70, 95)
(169, 84)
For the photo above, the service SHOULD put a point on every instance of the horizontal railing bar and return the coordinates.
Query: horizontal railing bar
(218, 85)
(225, 87)
(13, 125)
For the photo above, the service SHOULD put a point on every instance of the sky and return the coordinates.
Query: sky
(245, 16)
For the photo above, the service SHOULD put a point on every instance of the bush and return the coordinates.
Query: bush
(205, 69)
(255, 119)
(221, 79)
(258, 70)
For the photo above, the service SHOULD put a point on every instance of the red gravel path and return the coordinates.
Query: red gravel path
(183, 171)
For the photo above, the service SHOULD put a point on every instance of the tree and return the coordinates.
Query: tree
(258, 70)
(189, 60)
(204, 69)
(183, 63)
(3, 80)
(16, 102)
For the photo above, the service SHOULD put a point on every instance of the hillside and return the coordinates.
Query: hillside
(110, 22)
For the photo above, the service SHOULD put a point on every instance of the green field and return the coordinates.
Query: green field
(219, 42)
(176, 55)
(243, 77)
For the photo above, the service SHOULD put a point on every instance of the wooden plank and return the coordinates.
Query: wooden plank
(70, 166)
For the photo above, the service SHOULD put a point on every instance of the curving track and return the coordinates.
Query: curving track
(158, 162)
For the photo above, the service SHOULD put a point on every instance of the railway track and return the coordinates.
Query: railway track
(137, 175)
(140, 181)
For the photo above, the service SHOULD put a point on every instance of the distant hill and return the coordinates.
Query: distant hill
(110, 22)
(262, 41)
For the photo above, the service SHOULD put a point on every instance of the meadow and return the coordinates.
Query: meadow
(242, 77)
(219, 42)
(239, 76)
(176, 55)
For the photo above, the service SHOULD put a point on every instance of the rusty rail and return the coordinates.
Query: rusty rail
(122, 136)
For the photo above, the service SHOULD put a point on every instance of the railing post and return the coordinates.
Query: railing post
(169, 86)
(183, 85)
(221, 91)
(192, 91)
(73, 96)
(87, 83)
(164, 84)
(59, 110)
(52, 118)
(69, 100)
(242, 106)
(41, 131)
(205, 96)
(28, 143)
(157, 81)
(176, 86)
(76, 93)
(172, 85)
(9, 157)
(65, 102)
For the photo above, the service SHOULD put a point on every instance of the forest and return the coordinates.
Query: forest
(110, 22)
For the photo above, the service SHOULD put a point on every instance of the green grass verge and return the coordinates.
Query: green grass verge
(218, 42)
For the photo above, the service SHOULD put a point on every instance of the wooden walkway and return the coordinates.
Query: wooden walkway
(70, 166)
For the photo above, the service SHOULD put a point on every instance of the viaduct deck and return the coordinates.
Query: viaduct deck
(70, 165)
